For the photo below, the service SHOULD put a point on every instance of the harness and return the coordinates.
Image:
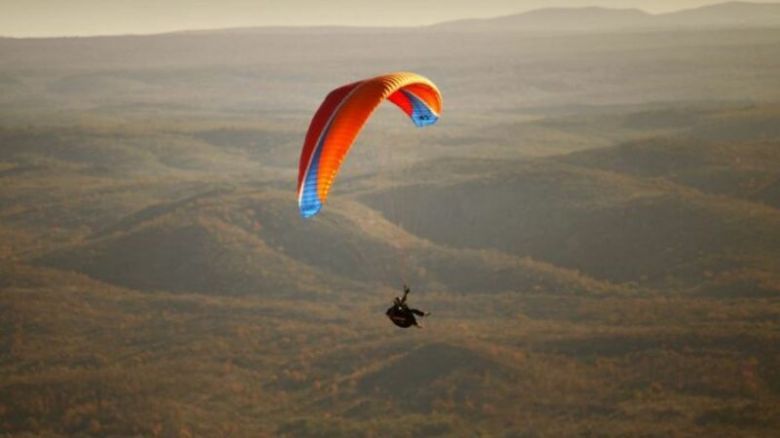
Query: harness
(401, 316)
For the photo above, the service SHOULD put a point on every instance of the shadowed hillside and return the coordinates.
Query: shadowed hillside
(253, 243)
(663, 210)
(607, 225)
(741, 170)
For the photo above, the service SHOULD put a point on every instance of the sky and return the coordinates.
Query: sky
(39, 18)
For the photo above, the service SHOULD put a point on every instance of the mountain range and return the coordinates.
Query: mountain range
(564, 19)
(724, 15)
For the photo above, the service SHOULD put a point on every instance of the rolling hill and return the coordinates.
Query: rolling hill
(281, 76)
(615, 226)
(240, 242)
(82, 356)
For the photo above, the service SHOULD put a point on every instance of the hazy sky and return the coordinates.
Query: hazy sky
(23, 18)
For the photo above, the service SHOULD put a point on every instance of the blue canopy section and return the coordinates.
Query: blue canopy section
(309, 203)
(421, 114)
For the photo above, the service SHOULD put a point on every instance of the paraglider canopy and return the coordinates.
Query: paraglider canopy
(341, 117)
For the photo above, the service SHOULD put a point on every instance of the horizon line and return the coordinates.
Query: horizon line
(373, 27)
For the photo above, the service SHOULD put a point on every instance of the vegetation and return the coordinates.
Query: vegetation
(594, 225)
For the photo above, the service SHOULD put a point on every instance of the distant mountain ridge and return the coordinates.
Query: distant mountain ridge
(734, 14)
(731, 14)
(575, 19)
(554, 19)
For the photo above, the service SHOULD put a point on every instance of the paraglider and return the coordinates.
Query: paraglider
(341, 117)
(401, 314)
(333, 130)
